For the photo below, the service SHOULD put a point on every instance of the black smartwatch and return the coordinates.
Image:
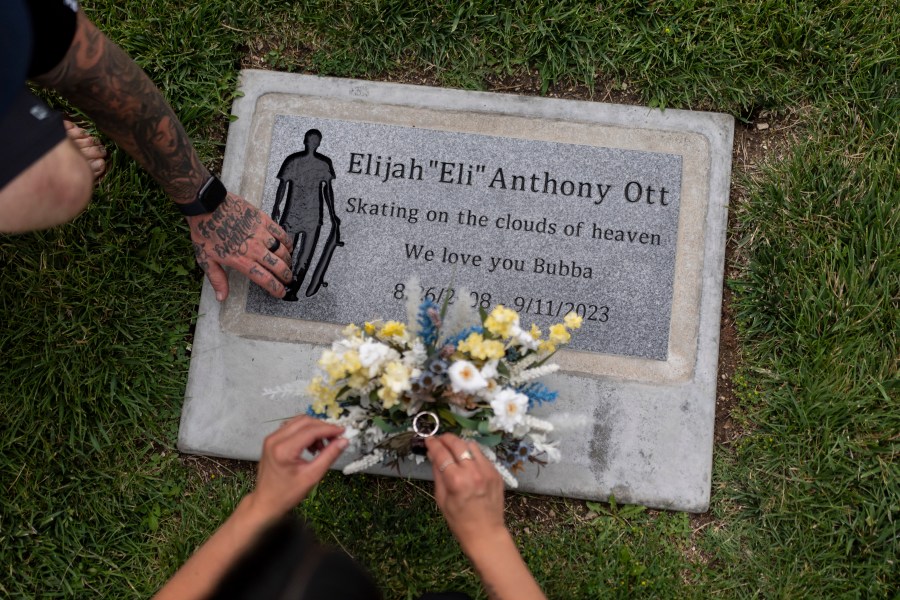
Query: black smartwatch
(210, 196)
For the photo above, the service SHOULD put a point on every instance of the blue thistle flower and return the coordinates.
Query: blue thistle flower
(537, 394)
(513, 454)
(456, 339)
(438, 366)
(428, 326)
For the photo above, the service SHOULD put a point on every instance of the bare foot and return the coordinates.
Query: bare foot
(90, 147)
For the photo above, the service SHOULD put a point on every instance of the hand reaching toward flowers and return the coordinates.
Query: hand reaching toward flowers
(469, 492)
(285, 477)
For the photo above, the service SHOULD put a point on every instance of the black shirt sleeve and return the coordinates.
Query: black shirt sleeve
(53, 24)
(15, 50)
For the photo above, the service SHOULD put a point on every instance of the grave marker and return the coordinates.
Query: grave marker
(542, 205)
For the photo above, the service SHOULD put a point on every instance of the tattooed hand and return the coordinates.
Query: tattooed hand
(239, 236)
(101, 80)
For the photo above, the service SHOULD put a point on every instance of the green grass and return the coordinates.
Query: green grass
(806, 503)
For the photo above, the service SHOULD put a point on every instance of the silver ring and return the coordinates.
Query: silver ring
(425, 434)
(274, 247)
(465, 455)
(446, 464)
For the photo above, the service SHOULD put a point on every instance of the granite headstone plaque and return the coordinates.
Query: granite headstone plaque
(542, 227)
(544, 206)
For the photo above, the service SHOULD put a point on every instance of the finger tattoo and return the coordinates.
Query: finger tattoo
(201, 256)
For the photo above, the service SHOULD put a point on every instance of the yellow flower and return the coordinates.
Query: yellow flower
(357, 381)
(323, 396)
(331, 363)
(389, 397)
(501, 321)
(351, 331)
(351, 362)
(396, 376)
(547, 346)
(334, 410)
(535, 331)
(339, 366)
(318, 389)
(369, 328)
(319, 406)
(392, 329)
(482, 349)
(559, 334)
(573, 321)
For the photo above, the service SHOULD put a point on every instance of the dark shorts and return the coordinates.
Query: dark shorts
(30, 130)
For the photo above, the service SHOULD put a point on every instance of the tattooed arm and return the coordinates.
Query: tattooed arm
(100, 79)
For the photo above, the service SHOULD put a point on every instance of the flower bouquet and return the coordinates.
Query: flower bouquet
(390, 385)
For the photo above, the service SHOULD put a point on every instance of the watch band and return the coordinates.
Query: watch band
(210, 196)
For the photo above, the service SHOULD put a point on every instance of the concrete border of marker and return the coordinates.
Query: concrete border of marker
(639, 429)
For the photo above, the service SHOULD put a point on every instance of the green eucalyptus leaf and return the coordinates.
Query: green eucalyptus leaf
(489, 440)
(448, 419)
(383, 425)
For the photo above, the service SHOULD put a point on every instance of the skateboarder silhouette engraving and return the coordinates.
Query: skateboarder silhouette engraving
(304, 183)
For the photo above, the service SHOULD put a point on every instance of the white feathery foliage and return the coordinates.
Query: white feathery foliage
(364, 463)
(412, 306)
(567, 421)
(538, 425)
(508, 477)
(296, 389)
(525, 363)
(460, 315)
(532, 374)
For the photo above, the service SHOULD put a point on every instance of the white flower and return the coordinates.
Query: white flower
(522, 337)
(350, 432)
(509, 409)
(374, 435)
(464, 377)
(373, 354)
(489, 370)
(345, 344)
(549, 448)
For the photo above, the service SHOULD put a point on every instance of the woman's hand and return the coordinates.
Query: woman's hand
(285, 477)
(468, 489)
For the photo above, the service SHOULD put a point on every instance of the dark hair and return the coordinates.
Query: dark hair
(287, 563)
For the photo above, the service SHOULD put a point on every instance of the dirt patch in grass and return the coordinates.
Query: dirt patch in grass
(208, 467)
